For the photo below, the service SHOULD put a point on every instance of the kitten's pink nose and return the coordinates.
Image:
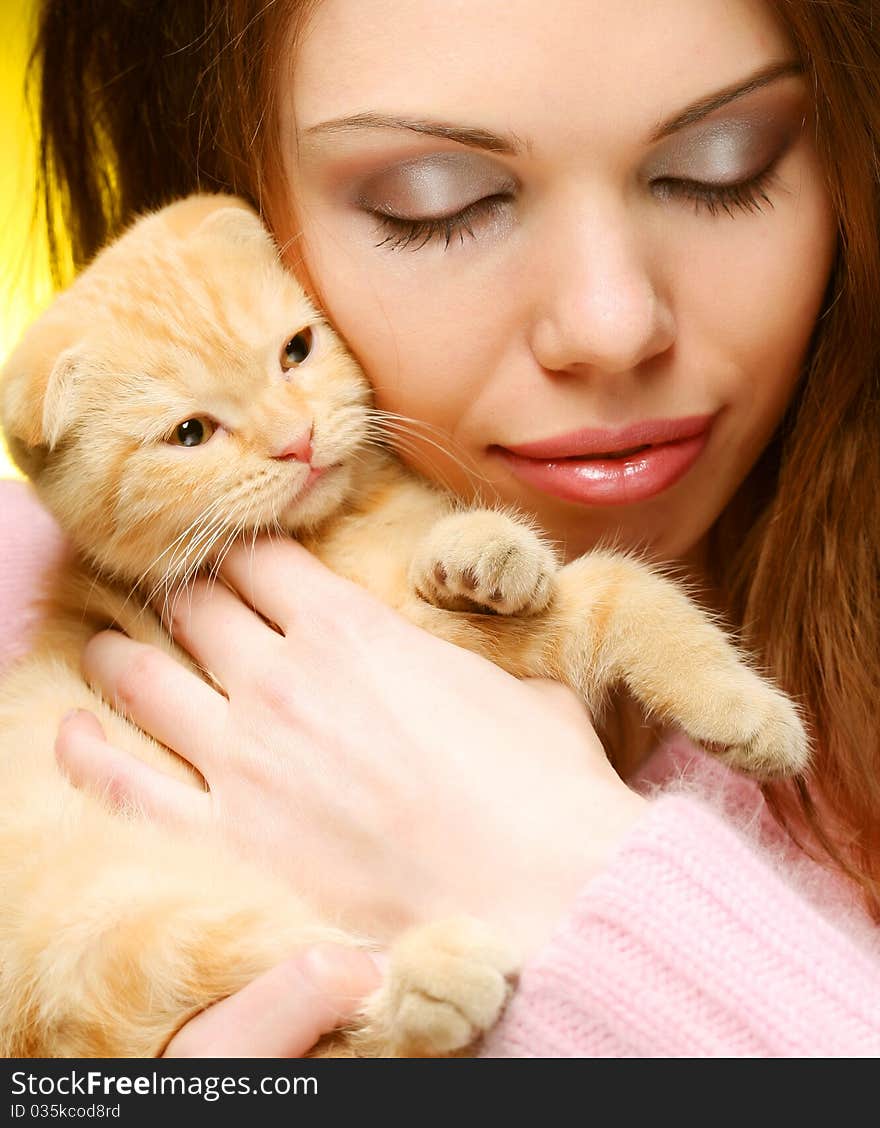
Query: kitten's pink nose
(300, 449)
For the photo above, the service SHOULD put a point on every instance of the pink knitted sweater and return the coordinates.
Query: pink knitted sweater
(708, 934)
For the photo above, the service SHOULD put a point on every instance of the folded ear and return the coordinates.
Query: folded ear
(227, 216)
(37, 392)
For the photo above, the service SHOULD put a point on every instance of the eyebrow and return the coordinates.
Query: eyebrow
(511, 145)
(712, 102)
(463, 134)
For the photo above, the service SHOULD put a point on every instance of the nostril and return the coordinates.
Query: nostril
(300, 449)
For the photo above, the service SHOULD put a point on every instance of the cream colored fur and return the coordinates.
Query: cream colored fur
(113, 931)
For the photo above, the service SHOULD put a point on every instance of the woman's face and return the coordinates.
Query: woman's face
(585, 243)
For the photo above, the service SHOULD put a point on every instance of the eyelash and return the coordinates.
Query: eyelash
(414, 234)
(747, 196)
(417, 233)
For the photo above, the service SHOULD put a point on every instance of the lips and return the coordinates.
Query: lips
(620, 453)
(599, 442)
(601, 466)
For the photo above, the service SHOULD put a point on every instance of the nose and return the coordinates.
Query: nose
(599, 306)
(299, 448)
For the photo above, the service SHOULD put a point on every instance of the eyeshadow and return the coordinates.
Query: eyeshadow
(737, 144)
(434, 186)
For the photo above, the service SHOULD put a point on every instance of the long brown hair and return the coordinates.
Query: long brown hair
(140, 102)
(802, 570)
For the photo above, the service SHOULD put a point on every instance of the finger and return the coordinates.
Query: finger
(285, 1011)
(162, 697)
(120, 779)
(279, 577)
(222, 633)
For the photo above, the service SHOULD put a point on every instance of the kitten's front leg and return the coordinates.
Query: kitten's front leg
(484, 560)
(619, 622)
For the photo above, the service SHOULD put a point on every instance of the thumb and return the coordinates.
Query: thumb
(285, 1011)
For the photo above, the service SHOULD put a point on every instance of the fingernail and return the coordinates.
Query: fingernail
(329, 961)
(380, 961)
(69, 715)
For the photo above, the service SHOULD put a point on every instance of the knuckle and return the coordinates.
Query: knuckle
(115, 787)
(185, 600)
(138, 677)
(273, 694)
(354, 614)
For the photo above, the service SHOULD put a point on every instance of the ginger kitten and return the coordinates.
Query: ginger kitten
(182, 394)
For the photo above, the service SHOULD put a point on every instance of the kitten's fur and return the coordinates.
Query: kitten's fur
(113, 931)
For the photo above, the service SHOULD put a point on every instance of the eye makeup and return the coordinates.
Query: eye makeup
(732, 150)
(434, 186)
(723, 161)
(442, 194)
(726, 153)
(729, 150)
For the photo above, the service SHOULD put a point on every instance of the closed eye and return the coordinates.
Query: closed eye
(416, 233)
(750, 195)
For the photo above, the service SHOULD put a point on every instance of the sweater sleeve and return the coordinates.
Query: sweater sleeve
(693, 944)
(31, 544)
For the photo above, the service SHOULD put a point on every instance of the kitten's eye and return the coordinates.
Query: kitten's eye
(297, 348)
(192, 432)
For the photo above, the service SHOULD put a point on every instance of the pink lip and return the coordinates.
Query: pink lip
(591, 466)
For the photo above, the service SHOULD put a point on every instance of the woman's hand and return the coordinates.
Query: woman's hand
(398, 778)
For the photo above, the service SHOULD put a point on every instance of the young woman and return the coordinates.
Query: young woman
(620, 264)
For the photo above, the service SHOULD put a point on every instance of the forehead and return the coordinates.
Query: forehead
(214, 293)
(576, 71)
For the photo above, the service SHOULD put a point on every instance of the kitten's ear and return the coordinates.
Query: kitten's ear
(185, 216)
(37, 395)
(224, 218)
(238, 225)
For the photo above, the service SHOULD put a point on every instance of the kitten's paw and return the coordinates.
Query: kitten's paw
(743, 719)
(446, 986)
(767, 737)
(484, 560)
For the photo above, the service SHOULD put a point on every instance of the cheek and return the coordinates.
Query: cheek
(755, 322)
(417, 325)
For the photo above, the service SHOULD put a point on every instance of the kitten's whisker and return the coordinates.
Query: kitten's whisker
(402, 447)
(204, 548)
(381, 414)
(191, 555)
(396, 426)
(253, 552)
(235, 535)
(213, 506)
(394, 442)
(208, 514)
(275, 529)
(206, 527)
(181, 583)
(405, 444)
(168, 574)
(393, 420)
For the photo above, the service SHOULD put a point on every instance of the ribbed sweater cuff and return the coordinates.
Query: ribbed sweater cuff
(691, 944)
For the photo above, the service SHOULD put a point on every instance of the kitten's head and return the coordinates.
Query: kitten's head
(182, 392)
